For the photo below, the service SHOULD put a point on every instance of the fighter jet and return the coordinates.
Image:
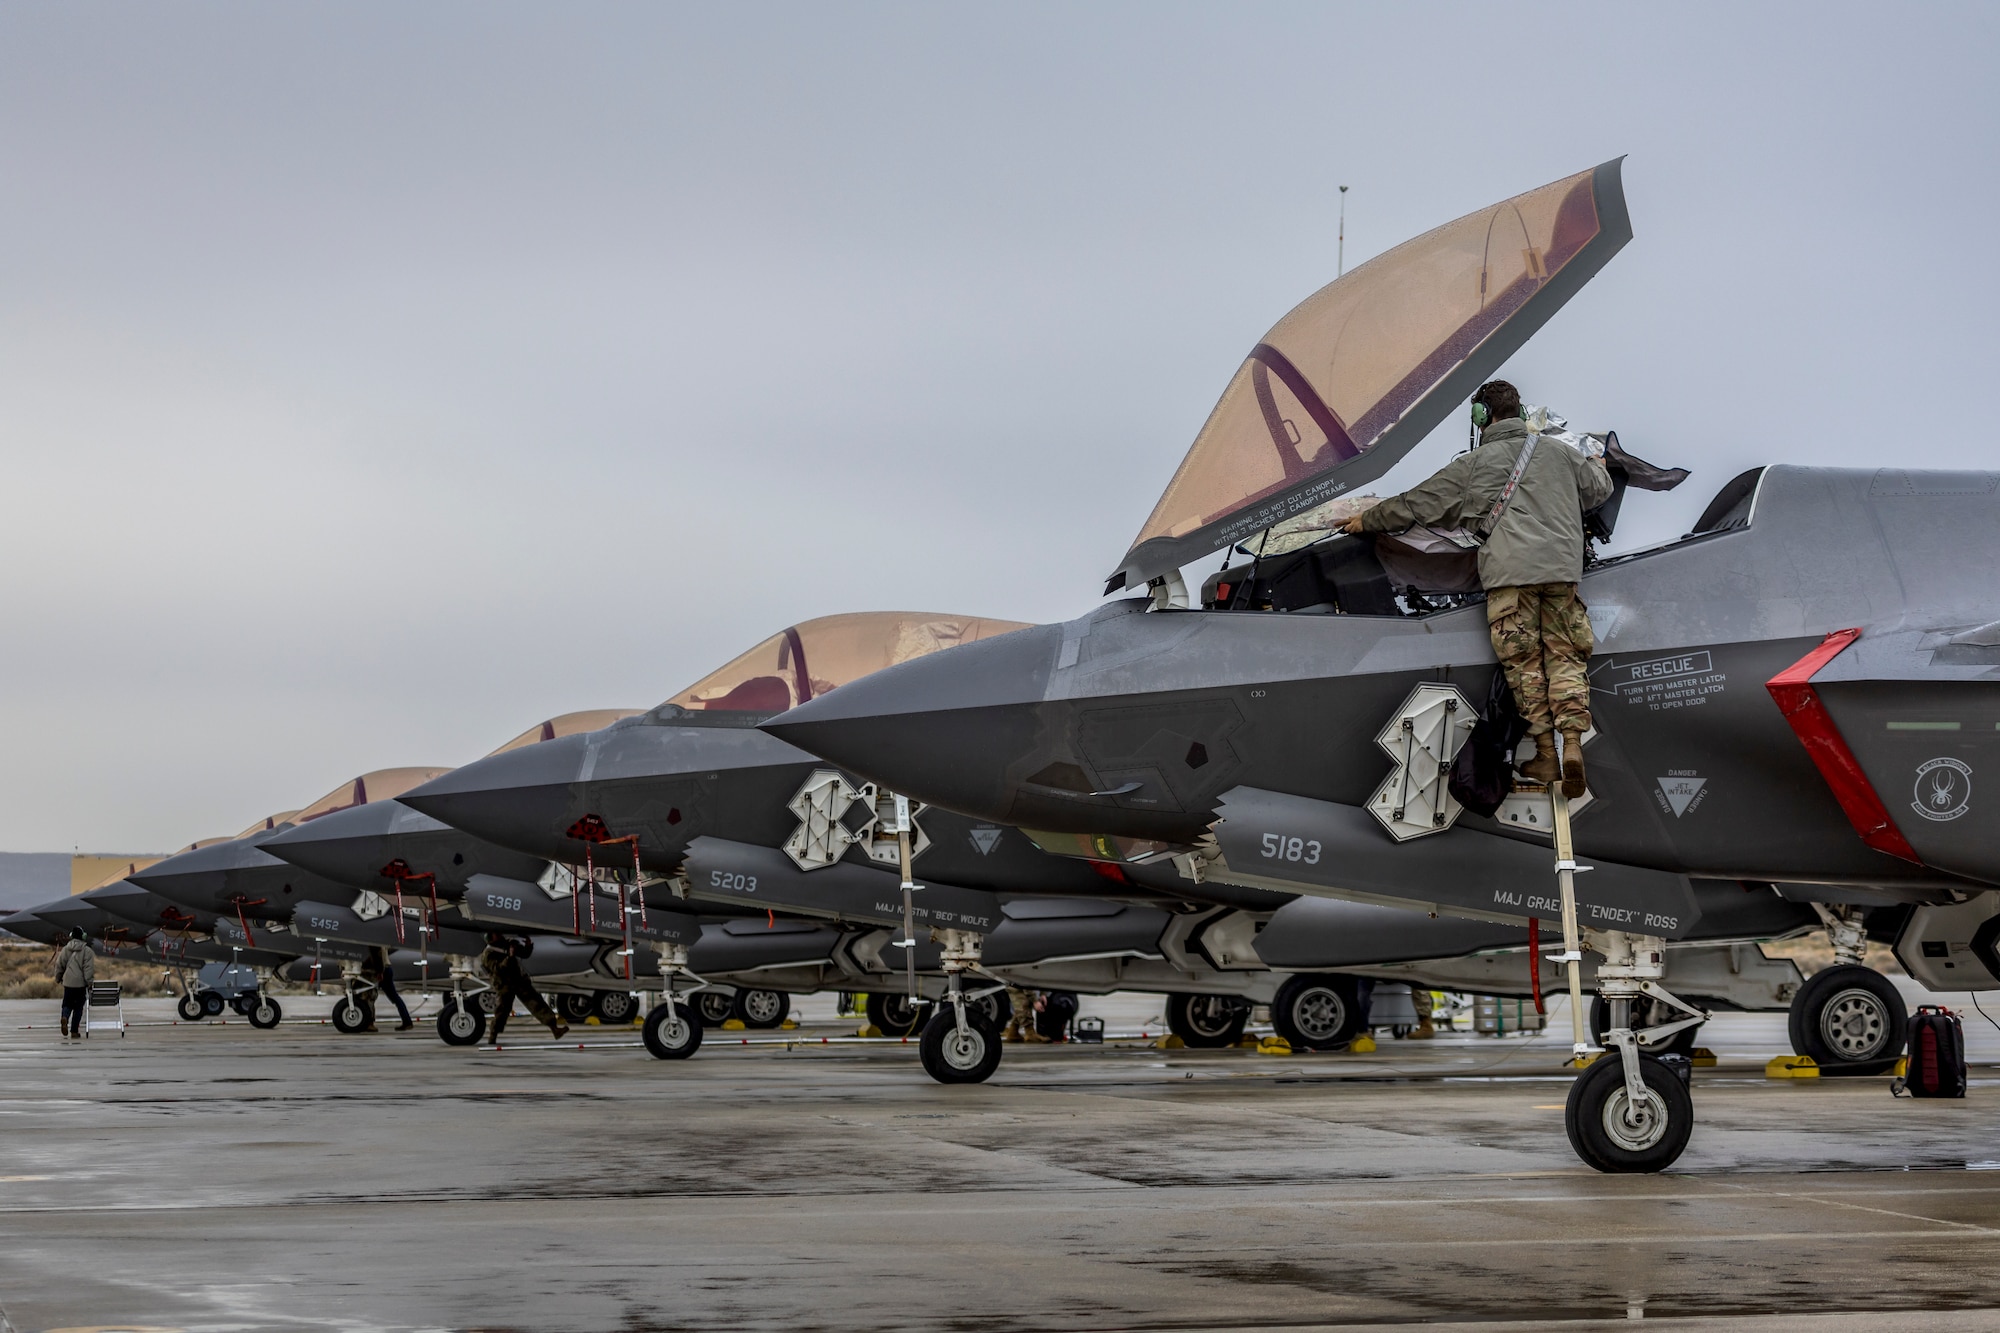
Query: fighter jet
(702, 801)
(1795, 697)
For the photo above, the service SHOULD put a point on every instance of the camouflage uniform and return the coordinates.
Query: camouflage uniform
(1529, 562)
(1023, 1021)
(1541, 634)
(510, 983)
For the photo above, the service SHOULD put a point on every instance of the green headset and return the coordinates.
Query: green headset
(1482, 415)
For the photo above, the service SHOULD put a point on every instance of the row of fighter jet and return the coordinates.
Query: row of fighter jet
(1244, 799)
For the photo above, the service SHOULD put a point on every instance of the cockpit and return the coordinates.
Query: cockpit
(809, 659)
(1305, 565)
(568, 724)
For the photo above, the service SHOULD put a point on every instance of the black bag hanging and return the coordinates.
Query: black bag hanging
(1482, 773)
(1936, 1055)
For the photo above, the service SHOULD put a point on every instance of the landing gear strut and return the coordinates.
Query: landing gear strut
(1627, 1112)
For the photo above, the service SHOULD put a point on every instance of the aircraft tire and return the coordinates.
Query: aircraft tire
(1318, 1011)
(1848, 1015)
(713, 1008)
(671, 1032)
(893, 1014)
(950, 1056)
(615, 1008)
(1681, 1043)
(460, 1025)
(212, 1004)
(574, 1006)
(762, 1008)
(351, 1015)
(487, 1002)
(1595, 1117)
(264, 1012)
(189, 1008)
(241, 1004)
(1207, 1020)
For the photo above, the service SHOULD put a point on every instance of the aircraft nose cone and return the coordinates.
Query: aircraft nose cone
(944, 728)
(521, 798)
(348, 846)
(129, 902)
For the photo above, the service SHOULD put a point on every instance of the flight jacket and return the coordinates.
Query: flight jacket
(1539, 538)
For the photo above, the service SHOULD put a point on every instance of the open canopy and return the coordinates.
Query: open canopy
(568, 724)
(1348, 382)
(815, 656)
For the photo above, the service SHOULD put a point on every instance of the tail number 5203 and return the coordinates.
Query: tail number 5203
(731, 883)
(1278, 847)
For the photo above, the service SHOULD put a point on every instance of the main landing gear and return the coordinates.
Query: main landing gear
(1207, 1020)
(1318, 1011)
(1848, 1017)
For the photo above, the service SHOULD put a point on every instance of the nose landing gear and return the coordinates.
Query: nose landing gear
(961, 1042)
(671, 1031)
(1631, 1111)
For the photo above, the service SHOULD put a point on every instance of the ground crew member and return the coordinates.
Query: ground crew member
(1021, 1027)
(502, 964)
(75, 969)
(377, 968)
(1530, 522)
(1420, 1000)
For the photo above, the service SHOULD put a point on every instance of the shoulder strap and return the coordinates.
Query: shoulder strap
(1513, 481)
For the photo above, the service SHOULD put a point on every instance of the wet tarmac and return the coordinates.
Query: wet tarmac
(217, 1177)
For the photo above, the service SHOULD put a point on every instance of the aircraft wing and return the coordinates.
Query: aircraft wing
(1360, 371)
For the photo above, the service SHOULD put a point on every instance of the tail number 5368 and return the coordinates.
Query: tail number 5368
(1278, 847)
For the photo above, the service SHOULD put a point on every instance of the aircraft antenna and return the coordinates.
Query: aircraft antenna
(1340, 263)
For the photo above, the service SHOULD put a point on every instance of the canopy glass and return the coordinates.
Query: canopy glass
(569, 724)
(382, 785)
(815, 656)
(1348, 382)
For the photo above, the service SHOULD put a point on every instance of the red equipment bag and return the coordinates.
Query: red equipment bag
(1936, 1055)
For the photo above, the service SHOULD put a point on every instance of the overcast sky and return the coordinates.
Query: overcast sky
(377, 380)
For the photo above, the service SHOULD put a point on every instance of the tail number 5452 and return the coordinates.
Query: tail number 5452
(1278, 847)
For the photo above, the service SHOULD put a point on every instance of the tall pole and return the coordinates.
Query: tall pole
(1343, 233)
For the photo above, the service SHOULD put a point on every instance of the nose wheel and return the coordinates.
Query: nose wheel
(461, 1024)
(952, 1052)
(1622, 1130)
(670, 1031)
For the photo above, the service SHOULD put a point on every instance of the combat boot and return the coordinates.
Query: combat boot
(1572, 767)
(1424, 1031)
(1543, 768)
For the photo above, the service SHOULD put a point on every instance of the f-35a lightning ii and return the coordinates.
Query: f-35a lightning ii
(1801, 697)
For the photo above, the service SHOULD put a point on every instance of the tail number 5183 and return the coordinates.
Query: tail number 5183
(1278, 847)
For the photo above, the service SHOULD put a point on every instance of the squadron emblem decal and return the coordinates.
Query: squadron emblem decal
(984, 839)
(1943, 790)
